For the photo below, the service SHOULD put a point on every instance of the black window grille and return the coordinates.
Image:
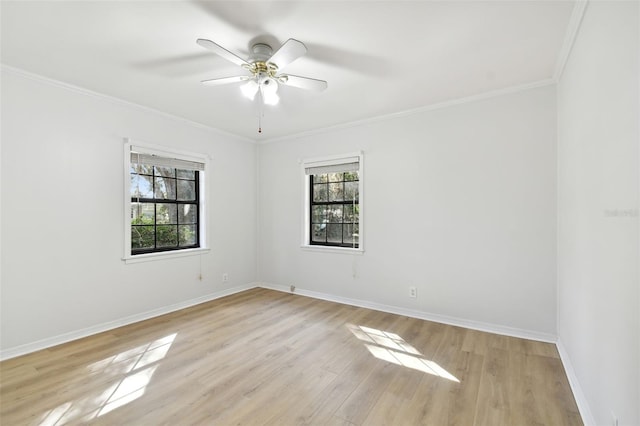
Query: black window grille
(165, 209)
(334, 209)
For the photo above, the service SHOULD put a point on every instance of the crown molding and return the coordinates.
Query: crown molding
(118, 101)
(409, 112)
(570, 37)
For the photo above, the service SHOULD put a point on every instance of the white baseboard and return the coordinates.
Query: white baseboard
(460, 322)
(578, 395)
(78, 334)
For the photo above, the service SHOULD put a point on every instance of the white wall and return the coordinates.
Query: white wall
(62, 220)
(459, 202)
(598, 320)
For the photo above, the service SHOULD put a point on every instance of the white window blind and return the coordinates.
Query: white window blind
(158, 160)
(349, 164)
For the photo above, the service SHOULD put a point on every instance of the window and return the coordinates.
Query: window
(165, 202)
(332, 211)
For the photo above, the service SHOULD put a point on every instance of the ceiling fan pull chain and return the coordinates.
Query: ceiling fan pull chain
(260, 112)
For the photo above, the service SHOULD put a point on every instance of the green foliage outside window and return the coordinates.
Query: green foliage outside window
(164, 208)
(335, 209)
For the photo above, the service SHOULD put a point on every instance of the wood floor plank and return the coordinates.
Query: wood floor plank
(263, 357)
(356, 407)
(551, 385)
(321, 409)
(464, 396)
(493, 406)
(385, 411)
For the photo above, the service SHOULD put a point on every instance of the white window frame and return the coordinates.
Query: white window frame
(306, 219)
(162, 151)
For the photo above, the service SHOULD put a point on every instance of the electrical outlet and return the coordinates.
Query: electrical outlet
(225, 278)
(293, 288)
(413, 292)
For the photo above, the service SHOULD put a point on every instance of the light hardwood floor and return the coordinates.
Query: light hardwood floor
(263, 357)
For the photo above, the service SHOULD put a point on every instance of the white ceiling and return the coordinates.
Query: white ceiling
(379, 57)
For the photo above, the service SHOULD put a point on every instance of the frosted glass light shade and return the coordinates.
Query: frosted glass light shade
(269, 87)
(250, 89)
(270, 98)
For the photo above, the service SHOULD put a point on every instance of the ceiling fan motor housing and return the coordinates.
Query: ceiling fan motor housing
(261, 52)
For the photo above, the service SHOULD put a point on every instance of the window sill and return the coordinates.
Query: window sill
(326, 249)
(148, 257)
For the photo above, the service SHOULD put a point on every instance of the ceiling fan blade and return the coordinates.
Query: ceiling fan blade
(290, 51)
(216, 48)
(225, 80)
(303, 82)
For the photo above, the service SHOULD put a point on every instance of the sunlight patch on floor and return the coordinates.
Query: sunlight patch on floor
(129, 372)
(394, 349)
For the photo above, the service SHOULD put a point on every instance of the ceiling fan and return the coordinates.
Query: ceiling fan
(265, 70)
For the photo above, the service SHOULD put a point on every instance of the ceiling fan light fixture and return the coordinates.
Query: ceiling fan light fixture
(269, 85)
(269, 89)
(270, 97)
(264, 67)
(250, 89)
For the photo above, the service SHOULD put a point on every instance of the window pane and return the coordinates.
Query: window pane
(165, 188)
(142, 237)
(186, 174)
(336, 191)
(334, 233)
(334, 210)
(319, 233)
(142, 213)
(319, 193)
(350, 234)
(141, 186)
(142, 169)
(170, 219)
(167, 236)
(350, 213)
(166, 213)
(320, 178)
(186, 190)
(335, 177)
(350, 191)
(350, 176)
(187, 234)
(319, 215)
(334, 214)
(165, 172)
(188, 213)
